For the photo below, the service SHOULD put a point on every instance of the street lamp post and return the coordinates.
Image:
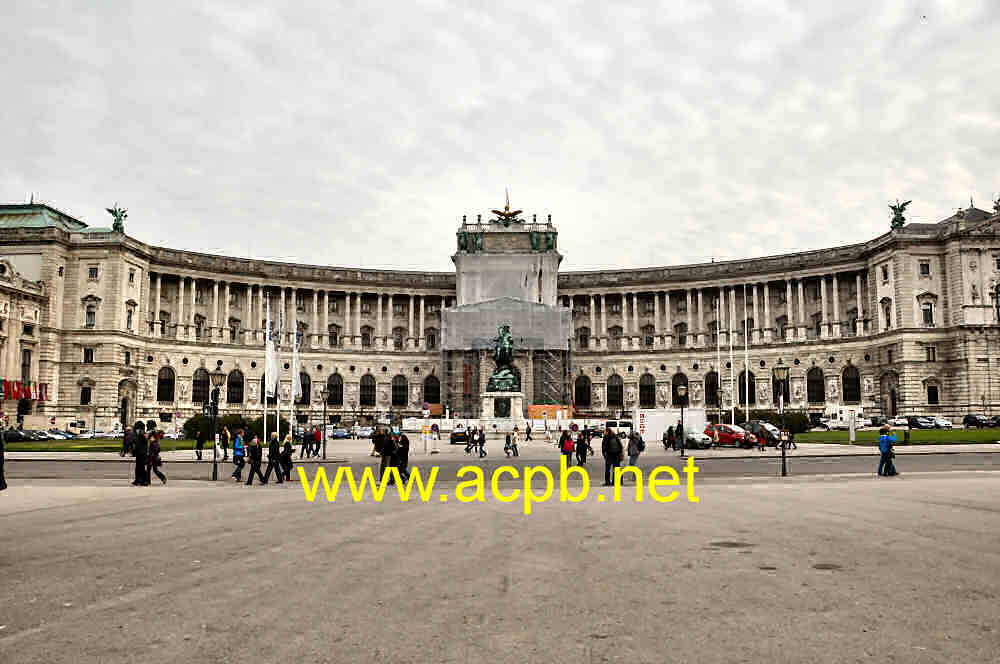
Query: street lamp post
(218, 380)
(781, 375)
(324, 393)
(682, 397)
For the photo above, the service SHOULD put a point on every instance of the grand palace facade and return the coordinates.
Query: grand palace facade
(96, 324)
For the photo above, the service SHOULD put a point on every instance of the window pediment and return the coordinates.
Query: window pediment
(926, 296)
(90, 299)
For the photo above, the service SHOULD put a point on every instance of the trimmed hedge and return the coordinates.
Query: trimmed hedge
(795, 421)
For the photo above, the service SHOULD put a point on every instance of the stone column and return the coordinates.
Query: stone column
(283, 314)
(389, 338)
(224, 323)
(824, 331)
(860, 325)
(379, 332)
(346, 333)
(657, 340)
(636, 328)
(690, 330)
(625, 333)
(789, 311)
(409, 327)
(357, 320)
(732, 312)
(669, 337)
(604, 324)
(181, 330)
(802, 310)
(260, 334)
(420, 333)
(591, 341)
(214, 321)
(836, 307)
(157, 326)
(249, 335)
(315, 319)
(294, 327)
(769, 325)
(190, 314)
(701, 319)
(756, 314)
(324, 333)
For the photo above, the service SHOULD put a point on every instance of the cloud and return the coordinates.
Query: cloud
(655, 134)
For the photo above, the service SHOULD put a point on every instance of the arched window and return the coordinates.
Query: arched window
(712, 395)
(367, 332)
(815, 392)
(270, 400)
(306, 389)
(165, 384)
(583, 338)
(234, 387)
(199, 386)
(367, 396)
(581, 392)
(432, 390)
(677, 381)
(743, 388)
(335, 387)
(616, 392)
(399, 388)
(851, 386)
(647, 391)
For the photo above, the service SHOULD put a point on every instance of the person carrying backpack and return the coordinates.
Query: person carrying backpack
(636, 446)
(567, 447)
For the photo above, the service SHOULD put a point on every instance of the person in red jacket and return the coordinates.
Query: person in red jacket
(317, 438)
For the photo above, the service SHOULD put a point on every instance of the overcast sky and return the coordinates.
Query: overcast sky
(359, 133)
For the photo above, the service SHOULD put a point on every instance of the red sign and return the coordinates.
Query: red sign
(14, 390)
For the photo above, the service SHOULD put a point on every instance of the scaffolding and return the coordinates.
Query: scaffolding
(460, 388)
(551, 371)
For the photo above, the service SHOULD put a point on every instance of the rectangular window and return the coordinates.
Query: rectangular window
(92, 272)
(88, 355)
(615, 307)
(398, 308)
(583, 309)
(932, 395)
(928, 314)
(28, 330)
(890, 356)
(334, 306)
(998, 263)
(128, 358)
(84, 396)
(91, 317)
(885, 273)
(931, 353)
(925, 268)
(366, 307)
(131, 276)
(647, 307)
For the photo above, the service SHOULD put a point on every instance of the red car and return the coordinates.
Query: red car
(731, 436)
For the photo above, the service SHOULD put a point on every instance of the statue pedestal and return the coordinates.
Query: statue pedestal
(504, 409)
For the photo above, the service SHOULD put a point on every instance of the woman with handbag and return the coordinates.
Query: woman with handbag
(155, 461)
(286, 458)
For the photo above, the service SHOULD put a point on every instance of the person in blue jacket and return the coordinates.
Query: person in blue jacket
(239, 456)
(885, 441)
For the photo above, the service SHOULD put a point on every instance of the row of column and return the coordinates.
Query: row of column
(259, 296)
(722, 301)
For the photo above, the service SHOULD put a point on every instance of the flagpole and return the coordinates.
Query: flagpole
(732, 370)
(746, 350)
(718, 357)
(267, 355)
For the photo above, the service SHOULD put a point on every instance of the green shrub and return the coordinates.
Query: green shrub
(256, 427)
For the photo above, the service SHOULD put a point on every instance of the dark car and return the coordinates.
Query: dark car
(878, 420)
(13, 436)
(459, 436)
(763, 430)
(976, 422)
(916, 422)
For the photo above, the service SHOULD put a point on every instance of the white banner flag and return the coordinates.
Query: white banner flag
(270, 358)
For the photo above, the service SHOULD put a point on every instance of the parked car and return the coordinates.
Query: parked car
(365, 432)
(899, 422)
(697, 440)
(920, 422)
(877, 421)
(942, 423)
(762, 430)
(730, 435)
(995, 422)
(173, 435)
(340, 433)
(975, 421)
(13, 436)
(460, 436)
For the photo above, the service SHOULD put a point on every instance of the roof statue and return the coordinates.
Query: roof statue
(119, 215)
(897, 214)
(996, 205)
(505, 216)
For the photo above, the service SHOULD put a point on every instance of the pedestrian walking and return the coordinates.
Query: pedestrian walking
(566, 447)
(666, 441)
(506, 443)
(127, 442)
(155, 461)
(387, 448)
(527, 431)
(402, 456)
(305, 449)
(671, 438)
(255, 455)
(141, 449)
(583, 448)
(317, 441)
(482, 443)
(239, 458)
(611, 448)
(636, 446)
(273, 458)
(286, 458)
(513, 441)
(681, 437)
(470, 441)
(199, 444)
(886, 439)
(224, 442)
(791, 440)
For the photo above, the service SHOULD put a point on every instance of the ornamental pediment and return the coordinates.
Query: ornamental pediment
(90, 299)
(926, 296)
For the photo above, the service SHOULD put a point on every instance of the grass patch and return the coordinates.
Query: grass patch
(917, 437)
(94, 445)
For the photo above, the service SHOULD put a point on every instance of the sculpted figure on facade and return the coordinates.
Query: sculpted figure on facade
(869, 387)
(664, 393)
(630, 395)
(415, 396)
(252, 391)
(797, 390)
(696, 392)
(599, 396)
(832, 389)
(763, 393)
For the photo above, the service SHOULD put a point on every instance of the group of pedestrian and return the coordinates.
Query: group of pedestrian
(510, 442)
(145, 446)
(394, 448)
(476, 442)
(674, 438)
(614, 452)
(311, 440)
